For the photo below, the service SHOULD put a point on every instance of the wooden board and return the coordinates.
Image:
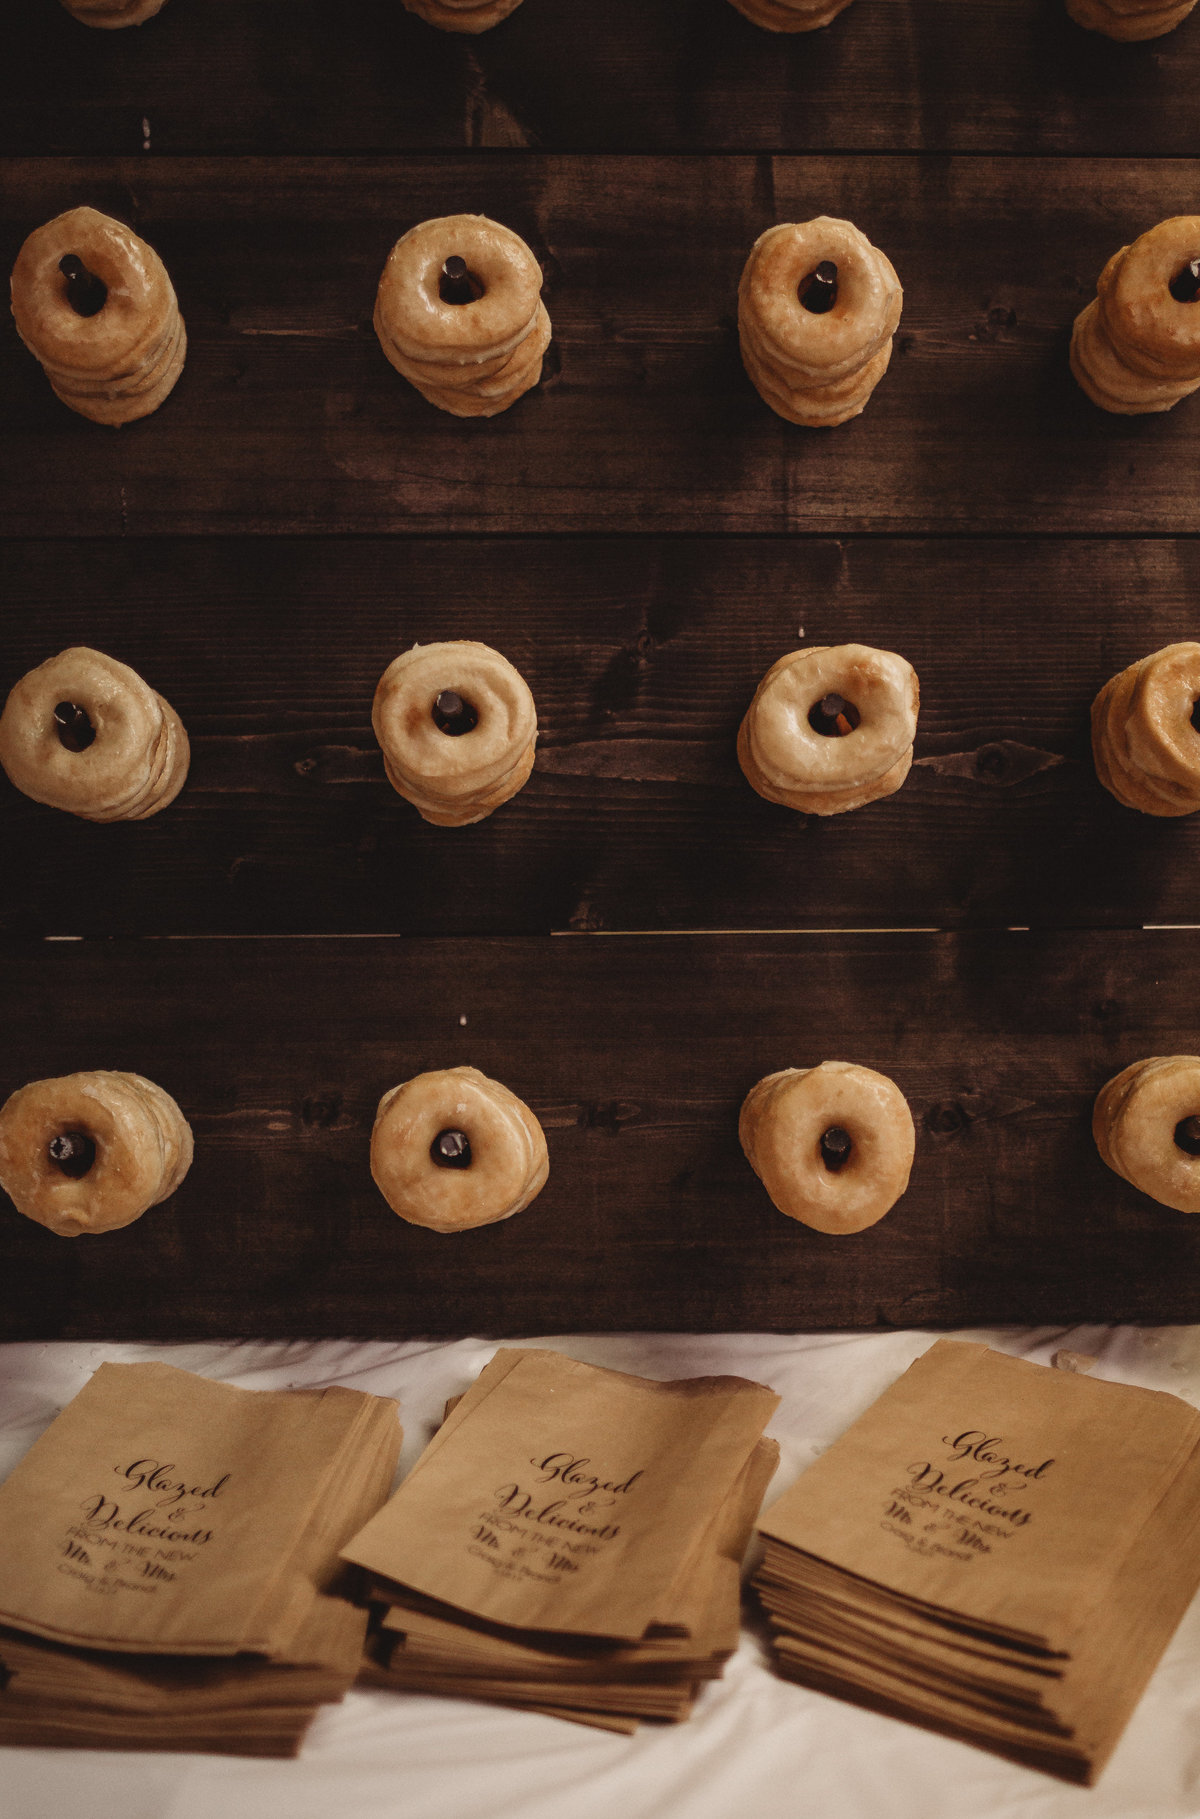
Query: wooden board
(642, 656)
(643, 536)
(281, 76)
(635, 1054)
(288, 419)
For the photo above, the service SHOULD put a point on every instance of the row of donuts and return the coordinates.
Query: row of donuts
(453, 1149)
(1121, 19)
(829, 729)
(459, 314)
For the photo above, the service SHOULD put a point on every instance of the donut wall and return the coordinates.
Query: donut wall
(637, 935)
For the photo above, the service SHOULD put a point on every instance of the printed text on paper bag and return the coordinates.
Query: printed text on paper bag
(546, 1527)
(144, 1535)
(977, 1496)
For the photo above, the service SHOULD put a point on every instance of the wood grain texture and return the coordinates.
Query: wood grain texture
(635, 1054)
(288, 420)
(642, 656)
(643, 537)
(300, 76)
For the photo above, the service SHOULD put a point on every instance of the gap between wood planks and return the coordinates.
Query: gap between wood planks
(642, 934)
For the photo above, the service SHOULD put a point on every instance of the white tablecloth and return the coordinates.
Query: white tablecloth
(756, 1746)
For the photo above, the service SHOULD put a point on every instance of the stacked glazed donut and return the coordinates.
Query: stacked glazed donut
(831, 728)
(1146, 749)
(1128, 19)
(457, 726)
(833, 1145)
(111, 14)
(818, 306)
(791, 15)
(453, 1149)
(1147, 1130)
(462, 15)
(85, 733)
(1136, 347)
(94, 304)
(91, 1152)
(459, 313)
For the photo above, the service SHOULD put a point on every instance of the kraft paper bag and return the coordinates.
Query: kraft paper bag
(561, 1497)
(244, 1557)
(1130, 1630)
(991, 1487)
(54, 1693)
(704, 1604)
(356, 1484)
(1015, 1549)
(165, 1513)
(687, 1620)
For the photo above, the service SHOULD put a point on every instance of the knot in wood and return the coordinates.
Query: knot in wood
(944, 1119)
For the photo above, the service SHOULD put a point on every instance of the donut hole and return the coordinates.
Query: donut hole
(834, 1147)
(833, 716)
(1195, 716)
(73, 726)
(818, 291)
(1187, 1135)
(86, 293)
(451, 1149)
(456, 284)
(453, 714)
(72, 1153)
(1185, 285)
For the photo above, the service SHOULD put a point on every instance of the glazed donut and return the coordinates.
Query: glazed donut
(459, 314)
(107, 330)
(1146, 750)
(451, 1150)
(91, 1152)
(830, 728)
(457, 726)
(1146, 1124)
(1136, 346)
(833, 1145)
(816, 407)
(110, 15)
(1111, 756)
(1130, 20)
(462, 15)
(818, 306)
(790, 15)
(84, 733)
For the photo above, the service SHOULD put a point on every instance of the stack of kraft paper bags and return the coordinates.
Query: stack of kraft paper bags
(169, 1563)
(995, 1549)
(570, 1541)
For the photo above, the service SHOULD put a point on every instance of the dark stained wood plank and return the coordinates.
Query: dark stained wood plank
(298, 76)
(635, 1053)
(288, 419)
(642, 655)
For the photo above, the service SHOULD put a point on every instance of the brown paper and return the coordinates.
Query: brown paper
(704, 1603)
(59, 1681)
(1129, 1632)
(1013, 1582)
(162, 1512)
(563, 1497)
(356, 1485)
(176, 1624)
(991, 1487)
(685, 1560)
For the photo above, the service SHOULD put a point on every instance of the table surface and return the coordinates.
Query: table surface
(643, 537)
(753, 1739)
